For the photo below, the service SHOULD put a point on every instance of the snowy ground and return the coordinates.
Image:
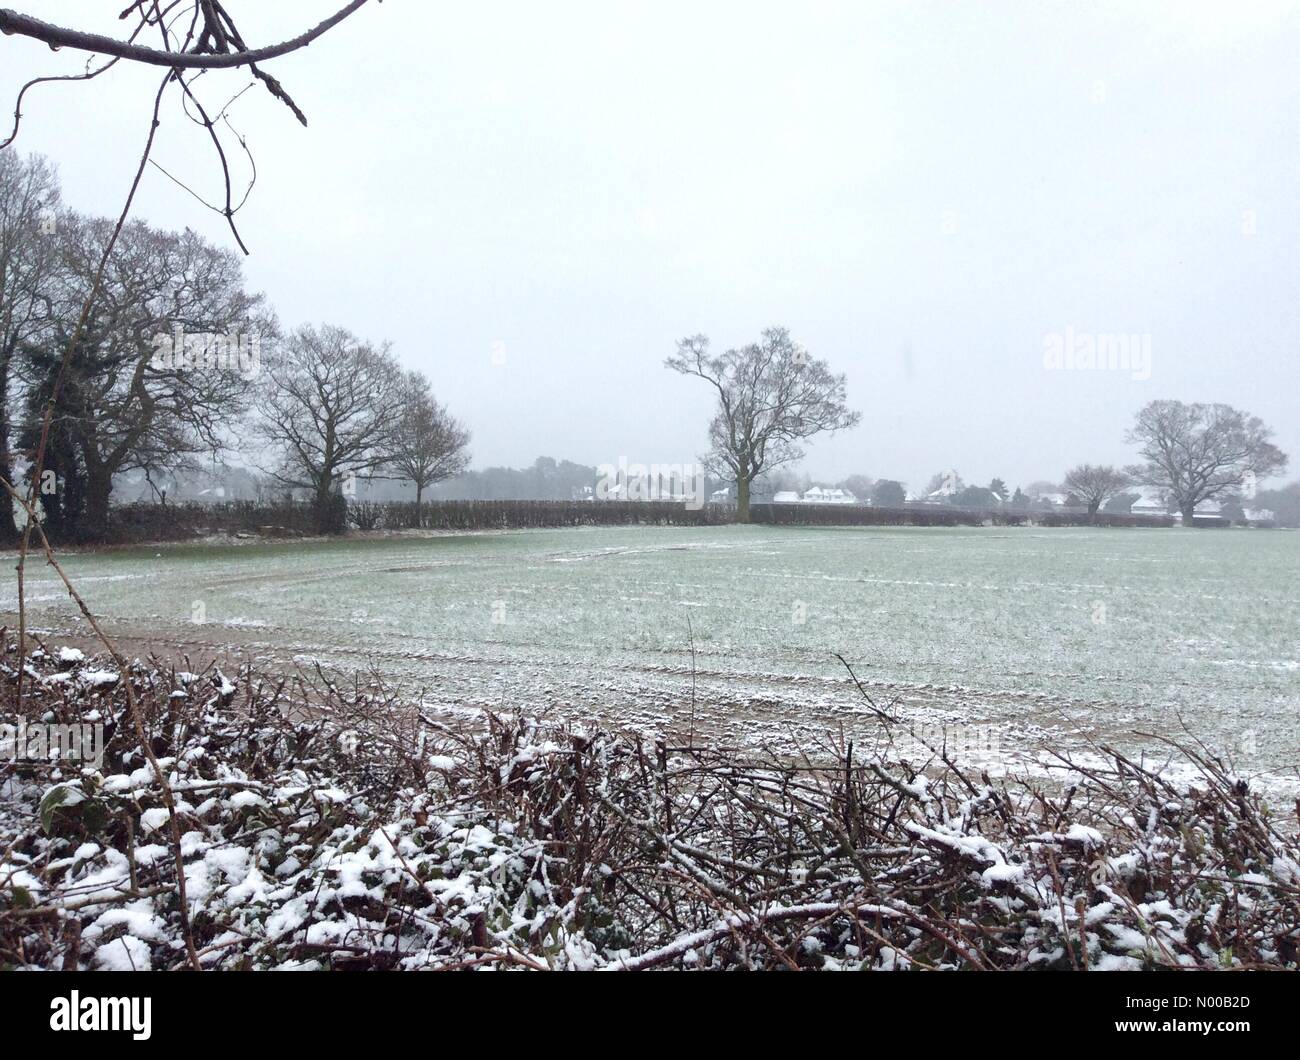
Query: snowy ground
(1009, 641)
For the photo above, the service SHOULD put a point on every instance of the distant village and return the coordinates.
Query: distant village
(549, 479)
(1142, 502)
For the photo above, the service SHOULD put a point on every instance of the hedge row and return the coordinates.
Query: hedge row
(487, 515)
(863, 515)
(322, 821)
(172, 522)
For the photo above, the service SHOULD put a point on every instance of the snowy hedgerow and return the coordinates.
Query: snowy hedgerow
(325, 823)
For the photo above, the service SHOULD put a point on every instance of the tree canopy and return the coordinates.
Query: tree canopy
(771, 396)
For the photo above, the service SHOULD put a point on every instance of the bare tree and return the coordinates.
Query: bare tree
(430, 445)
(126, 402)
(1041, 487)
(29, 197)
(330, 406)
(1095, 484)
(771, 396)
(1197, 452)
(859, 485)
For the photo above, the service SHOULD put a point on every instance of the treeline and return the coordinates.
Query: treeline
(177, 365)
(546, 480)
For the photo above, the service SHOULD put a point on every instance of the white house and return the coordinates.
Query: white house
(785, 497)
(722, 496)
(1204, 510)
(817, 495)
(1149, 504)
(1258, 515)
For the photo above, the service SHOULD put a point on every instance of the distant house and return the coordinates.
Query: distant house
(785, 497)
(1258, 515)
(817, 495)
(722, 496)
(1204, 510)
(1056, 500)
(1149, 504)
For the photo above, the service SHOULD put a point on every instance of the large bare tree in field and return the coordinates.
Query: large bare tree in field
(1201, 452)
(771, 396)
(430, 445)
(1095, 484)
(127, 400)
(330, 406)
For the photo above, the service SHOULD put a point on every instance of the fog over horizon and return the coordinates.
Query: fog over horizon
(534, 204)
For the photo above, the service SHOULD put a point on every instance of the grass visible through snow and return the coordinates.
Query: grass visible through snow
(1035, 633)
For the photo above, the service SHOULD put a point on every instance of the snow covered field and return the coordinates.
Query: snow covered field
(1004, 641)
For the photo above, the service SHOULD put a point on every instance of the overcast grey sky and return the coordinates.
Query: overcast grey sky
(923, 193)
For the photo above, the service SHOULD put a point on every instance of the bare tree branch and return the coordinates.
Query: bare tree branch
(11, 23)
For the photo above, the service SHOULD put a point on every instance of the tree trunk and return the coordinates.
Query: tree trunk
(419, 515)
(1092, 510)
(1189, 513)
(321, 514)
(742, 500)
(99, 487)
